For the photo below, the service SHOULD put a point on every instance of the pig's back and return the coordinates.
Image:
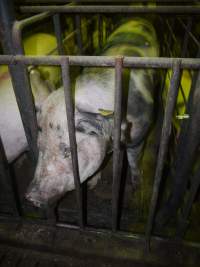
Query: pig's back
(94, 89)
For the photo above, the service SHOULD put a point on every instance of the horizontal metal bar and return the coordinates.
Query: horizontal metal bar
(102, 1)
(114, 9)
(101, 61)
(72, 137)
(166, 130)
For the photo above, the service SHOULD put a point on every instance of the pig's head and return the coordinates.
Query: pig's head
(54, 172)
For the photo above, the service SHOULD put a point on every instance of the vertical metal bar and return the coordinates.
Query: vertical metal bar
(72, 137)
(186, 37)
(183, 223)
(100, 31)
(117, 155)
(6, 182)
(23, 93)
(79, 33)
(58, 33)
(166, 129)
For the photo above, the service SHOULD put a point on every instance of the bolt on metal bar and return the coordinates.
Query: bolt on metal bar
(117, 153)
(58, 33)
(72, 137)
(79, 33)
(101, 61)
(114, 9)
(166, 129)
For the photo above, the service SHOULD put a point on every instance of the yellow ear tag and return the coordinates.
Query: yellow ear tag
(105, 112)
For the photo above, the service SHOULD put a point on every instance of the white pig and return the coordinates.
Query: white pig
(94, 92)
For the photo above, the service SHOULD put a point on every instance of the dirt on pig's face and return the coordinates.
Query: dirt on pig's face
(54, 172)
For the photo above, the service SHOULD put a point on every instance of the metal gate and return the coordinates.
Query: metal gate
(11, 36)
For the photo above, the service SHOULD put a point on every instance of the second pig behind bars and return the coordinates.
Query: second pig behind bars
(94, 106)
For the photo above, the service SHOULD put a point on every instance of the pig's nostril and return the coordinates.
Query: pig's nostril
(36, 203)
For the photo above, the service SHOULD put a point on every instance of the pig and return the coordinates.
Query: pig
(94, 106)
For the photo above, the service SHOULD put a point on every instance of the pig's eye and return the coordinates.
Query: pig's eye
(65, 150)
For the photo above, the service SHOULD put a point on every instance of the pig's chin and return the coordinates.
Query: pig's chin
(43, 199)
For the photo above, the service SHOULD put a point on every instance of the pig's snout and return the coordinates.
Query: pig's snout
(33, 196)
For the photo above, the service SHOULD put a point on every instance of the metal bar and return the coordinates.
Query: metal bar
(23, 93)
(58, 33)
(186, 37)
(6, 182)
(100, 31)
(79, 33)
(186, 212)
(116, 143)
(33, 19)
(114, 9)
(102, 1)
(166, 129)
(72, 137)
(189, 33)
(101, 61)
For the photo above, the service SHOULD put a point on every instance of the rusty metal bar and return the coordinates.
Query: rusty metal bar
(117, 153)
(79, 33)
(114, 9)
(72, 137)
(58, 33)
(101, 61)
(166, 129)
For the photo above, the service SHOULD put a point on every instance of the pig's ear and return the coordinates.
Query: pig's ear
(40, 88)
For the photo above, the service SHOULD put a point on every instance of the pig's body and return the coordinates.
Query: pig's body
(94, 91)
(11, 127)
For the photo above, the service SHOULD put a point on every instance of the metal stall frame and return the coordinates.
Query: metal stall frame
(176, 64)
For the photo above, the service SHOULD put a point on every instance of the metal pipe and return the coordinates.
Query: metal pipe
(183, 221)
(195, 40)
(116, 142)
(6, 183)
(101, 61)
(100, 31)
(72, 137)
(23, 93)
(114, 9)
(186, 37)
(106, 1)
(166, 130)
(58, 33)
(79, 33)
